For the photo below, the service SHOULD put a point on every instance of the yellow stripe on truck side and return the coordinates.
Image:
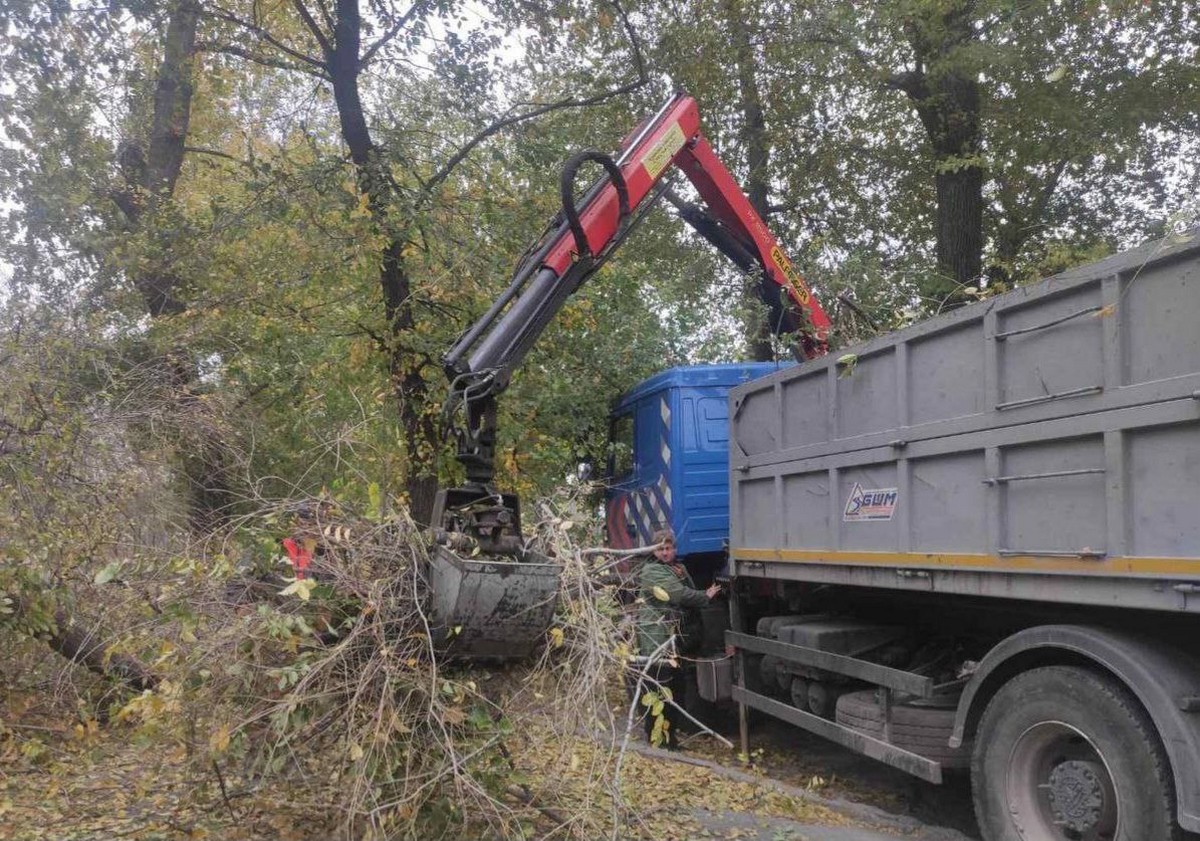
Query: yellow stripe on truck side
(1115, 566)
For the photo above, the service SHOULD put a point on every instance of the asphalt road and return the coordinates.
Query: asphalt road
(795, 757)
(753, 828)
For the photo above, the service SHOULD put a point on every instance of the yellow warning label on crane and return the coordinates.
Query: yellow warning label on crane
(660, 154)
(793, 276)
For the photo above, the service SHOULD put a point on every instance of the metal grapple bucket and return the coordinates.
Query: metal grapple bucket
(491, 609)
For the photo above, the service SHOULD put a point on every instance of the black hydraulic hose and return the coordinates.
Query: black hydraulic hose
(567, 189)
(530, 264)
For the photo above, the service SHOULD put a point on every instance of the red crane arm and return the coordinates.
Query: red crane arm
(587, 232)
(675, 137)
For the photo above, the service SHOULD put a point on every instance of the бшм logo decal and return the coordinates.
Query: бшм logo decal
(869, 504)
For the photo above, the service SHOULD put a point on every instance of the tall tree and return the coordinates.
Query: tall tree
(117, 205)
(754, 140)
(337, 45)
(786, 118)
(151, 173)
(944, 91)
(1035, 117)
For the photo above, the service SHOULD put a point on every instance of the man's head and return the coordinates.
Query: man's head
(666, 550)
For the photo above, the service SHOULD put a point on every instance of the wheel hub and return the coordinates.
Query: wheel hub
(1059, 786)
(1076, 794)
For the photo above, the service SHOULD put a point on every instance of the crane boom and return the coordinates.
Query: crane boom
(577, 242)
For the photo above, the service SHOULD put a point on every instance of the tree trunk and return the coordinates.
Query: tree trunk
(408, 381)
(946, 98)
(758, 154)
(87, 648)
(151, 178)
(156, 174)
(1021, 218)
(960, 225)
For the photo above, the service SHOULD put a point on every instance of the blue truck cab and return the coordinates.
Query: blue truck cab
(669, 461)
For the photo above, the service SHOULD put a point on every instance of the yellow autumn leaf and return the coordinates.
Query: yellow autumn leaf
(362, 207)
(661, 594)
(301, 587)
(218, 742)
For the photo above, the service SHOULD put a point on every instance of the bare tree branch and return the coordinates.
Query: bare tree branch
(266, 36)
(843, 42)
(325, 16)
(265, 60)
(1048, 190)
(305, 16)
(216, 153)
(911, 82)
(400, 23)
(846, 301)
(501, 124)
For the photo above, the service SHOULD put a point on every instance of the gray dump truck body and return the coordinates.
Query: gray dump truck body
(1040, 445)
(1007, 494)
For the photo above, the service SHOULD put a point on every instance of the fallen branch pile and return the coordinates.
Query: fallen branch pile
(333, 685)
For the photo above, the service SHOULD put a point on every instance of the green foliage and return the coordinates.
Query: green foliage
(52, 515)
(1087, 120)
(278, 254)
(284, 376)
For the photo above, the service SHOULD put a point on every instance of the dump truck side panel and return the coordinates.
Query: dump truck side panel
(1042, 445)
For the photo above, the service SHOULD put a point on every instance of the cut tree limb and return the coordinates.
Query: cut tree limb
(87, 647)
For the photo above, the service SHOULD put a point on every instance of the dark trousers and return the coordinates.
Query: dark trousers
(669, 677)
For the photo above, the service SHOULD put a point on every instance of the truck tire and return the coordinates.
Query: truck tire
(783, 678)
(921, 729)
(823, 698)
(1063, 752)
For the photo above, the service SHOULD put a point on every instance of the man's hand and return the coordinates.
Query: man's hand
(712, 591)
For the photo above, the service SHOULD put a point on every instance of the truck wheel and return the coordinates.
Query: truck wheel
(783, 678)
(1065, 754)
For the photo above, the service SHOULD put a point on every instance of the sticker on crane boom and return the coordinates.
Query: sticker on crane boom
(870, 504)
(660, 154)
(793, 276)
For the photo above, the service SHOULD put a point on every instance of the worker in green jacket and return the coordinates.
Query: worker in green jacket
(670, 605)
